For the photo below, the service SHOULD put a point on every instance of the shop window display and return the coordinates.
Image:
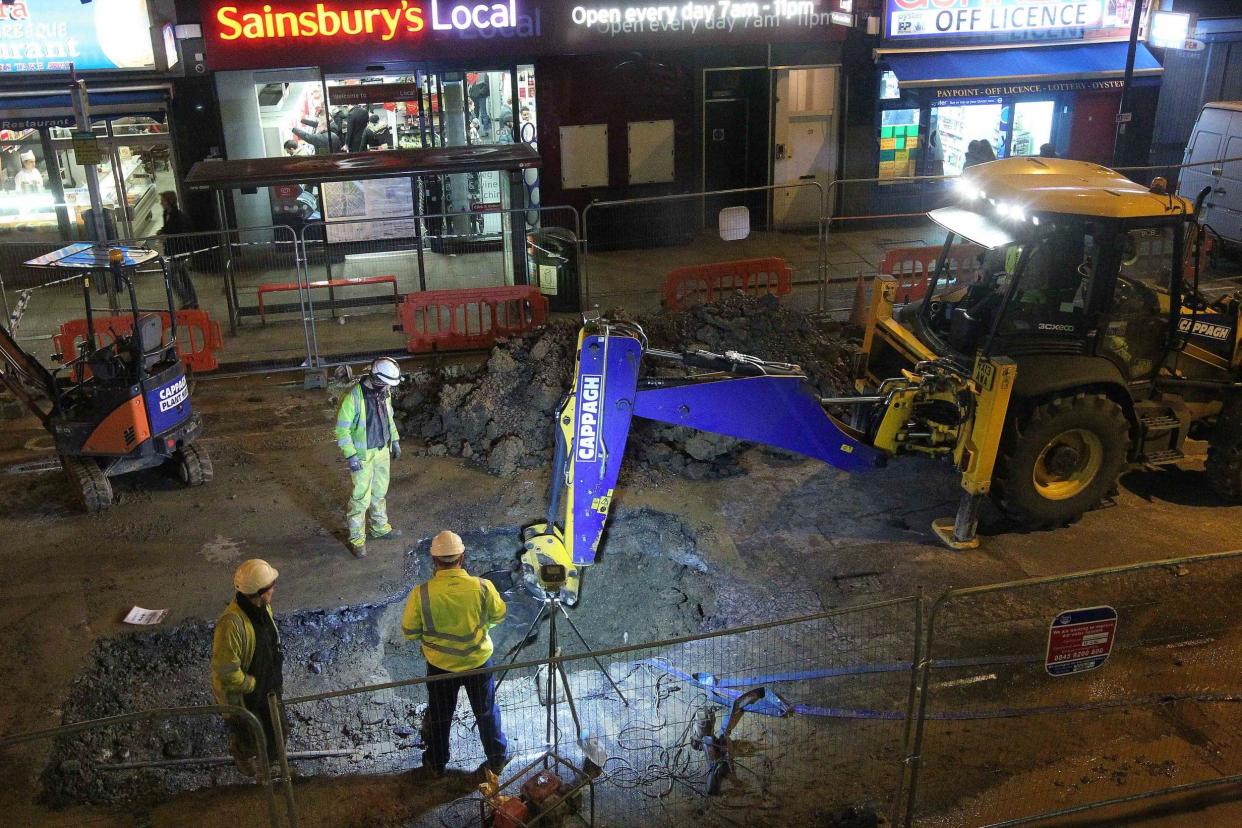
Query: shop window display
(131, 175)
(899, 143)
(957, 129)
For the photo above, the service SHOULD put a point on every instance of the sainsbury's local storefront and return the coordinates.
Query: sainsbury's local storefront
(620, 98)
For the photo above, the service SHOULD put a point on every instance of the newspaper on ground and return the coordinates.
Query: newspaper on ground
(138, 615)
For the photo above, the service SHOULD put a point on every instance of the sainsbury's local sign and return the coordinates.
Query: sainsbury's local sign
(350, 34)
(1007, 19)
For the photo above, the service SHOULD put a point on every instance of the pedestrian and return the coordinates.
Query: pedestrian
(295, 148)
(326, 140)
(978, 152)
(177, 250)
(357, 123)
(451, 615)
(366, 432)
(479, 90)
(247, 661)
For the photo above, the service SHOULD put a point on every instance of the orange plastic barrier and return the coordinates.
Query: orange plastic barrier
(198, 336)
(332, 283)
(771, 275)
(436, 320)
(912, 267)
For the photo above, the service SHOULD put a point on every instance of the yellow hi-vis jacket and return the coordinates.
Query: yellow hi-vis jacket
(232, 651)
(351, 423)
(451, 615)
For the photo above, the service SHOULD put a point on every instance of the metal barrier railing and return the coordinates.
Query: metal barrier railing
(850, 667)
(239, 713)
(861, 680)
(655, 224)
(406, 254)
(990, 659)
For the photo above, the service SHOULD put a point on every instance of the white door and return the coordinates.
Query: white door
(804, 142)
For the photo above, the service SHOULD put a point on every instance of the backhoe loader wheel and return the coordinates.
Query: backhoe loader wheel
(1224, 460)
(88, 485)
(1060, 459)
(193, 465)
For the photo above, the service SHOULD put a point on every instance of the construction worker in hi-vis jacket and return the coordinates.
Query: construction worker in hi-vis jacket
(366, 432)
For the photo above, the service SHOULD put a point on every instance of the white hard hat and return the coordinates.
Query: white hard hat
(385, 370)
(253, 576)
(447, 545)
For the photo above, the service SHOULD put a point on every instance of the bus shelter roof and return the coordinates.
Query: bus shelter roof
(358, 166)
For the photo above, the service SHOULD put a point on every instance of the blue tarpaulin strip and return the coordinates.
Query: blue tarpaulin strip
(720, 690)
(134, 98)
(1046, 63)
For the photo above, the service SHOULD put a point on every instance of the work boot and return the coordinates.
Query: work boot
(498, 766)
(386, 534)
(358, 548)
(425, 773)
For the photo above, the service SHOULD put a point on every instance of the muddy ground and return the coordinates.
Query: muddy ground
(776, 538)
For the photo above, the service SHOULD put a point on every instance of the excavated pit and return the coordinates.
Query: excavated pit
(501, 415)
(651, 560)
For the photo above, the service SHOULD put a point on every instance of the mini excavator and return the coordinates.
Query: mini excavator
(1080, 344)
(122, 402)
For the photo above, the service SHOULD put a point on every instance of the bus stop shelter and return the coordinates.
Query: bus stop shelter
(511, 160)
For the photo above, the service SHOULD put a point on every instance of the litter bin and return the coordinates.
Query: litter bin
(553, 265)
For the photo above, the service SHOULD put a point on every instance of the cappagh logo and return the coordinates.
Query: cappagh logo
(588, 417)
(1221, 333)
(173, 395)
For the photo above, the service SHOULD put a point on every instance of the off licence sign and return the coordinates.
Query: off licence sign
(1080, 640)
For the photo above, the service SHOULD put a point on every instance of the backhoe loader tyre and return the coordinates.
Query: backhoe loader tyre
(1224, 460)
(88, 485)
(1060, 460)
(193, 465)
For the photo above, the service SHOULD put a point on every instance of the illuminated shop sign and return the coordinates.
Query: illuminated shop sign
(614, 19)
(51, 35)
(348, 34)
(1014, 19)
(383, 21)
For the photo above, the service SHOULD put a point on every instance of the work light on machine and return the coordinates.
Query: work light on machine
(968, 191)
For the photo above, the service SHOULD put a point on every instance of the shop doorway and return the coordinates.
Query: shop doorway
(1093, 128)
(804, 130)
(735, 140)
(955, 126)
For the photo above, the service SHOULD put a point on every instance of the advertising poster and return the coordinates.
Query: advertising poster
(52, 35)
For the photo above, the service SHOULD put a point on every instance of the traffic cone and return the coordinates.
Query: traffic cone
(858, 312)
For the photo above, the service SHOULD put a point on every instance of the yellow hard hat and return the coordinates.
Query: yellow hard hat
(447, 545)
(254, 576)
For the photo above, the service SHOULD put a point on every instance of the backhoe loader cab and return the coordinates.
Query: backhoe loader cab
(1088, 282)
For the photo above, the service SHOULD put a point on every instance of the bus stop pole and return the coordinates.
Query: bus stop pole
(82, 115)
(517, 225)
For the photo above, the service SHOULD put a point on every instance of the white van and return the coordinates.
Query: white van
(1217, 135)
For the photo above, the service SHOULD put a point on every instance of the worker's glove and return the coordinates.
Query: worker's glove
(395, 448)
(355, 463)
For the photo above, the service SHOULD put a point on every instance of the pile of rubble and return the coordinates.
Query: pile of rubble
(501, 414)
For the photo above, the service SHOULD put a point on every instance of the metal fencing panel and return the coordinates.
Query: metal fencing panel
(218, 272)
(842, 692)
(1016, 726)
(71, 772)
(631, 245)
(357, 271)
